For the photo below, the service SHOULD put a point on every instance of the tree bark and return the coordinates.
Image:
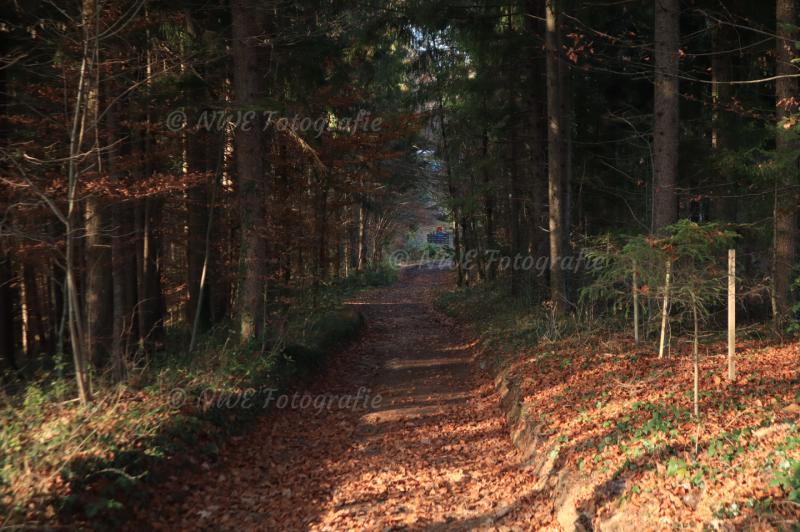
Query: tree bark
(453, 193)
(197, 213)
(247, 84)
(696, 359)
(321, 223)
(97, 249)
(785, 204)
(555, 155)
(666, 104)
(199, 160)
(665, 309)
(516, 202)
(537, 241)
(119, 255)
(8, 302)
(34, 327)
(488, 208)
(723, 202)
(363, 236)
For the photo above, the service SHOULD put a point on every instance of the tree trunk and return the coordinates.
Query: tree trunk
(32, 308)
(665, 310)
(723, 202)
(555, 161)
(247, 83)
(197, 214)
(199, 160)
(453, 192)
(148, 265)
(363, 236)
(537, 241)
(488, 208)
(352, 237)
(785, 194)
(666, 104)
(696, 358)
(8, 302)
(565, 116)
(203, 300)
(97, 249)
(119, 256)
(321, 222)
(516, 203)
(97, 283)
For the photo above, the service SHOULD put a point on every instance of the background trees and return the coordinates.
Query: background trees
(536, 124)
(133, 204)
(637, 117)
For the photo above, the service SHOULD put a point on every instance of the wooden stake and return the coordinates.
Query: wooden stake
(665, 310)
(696, 360)
(635, 304)
(731, 314)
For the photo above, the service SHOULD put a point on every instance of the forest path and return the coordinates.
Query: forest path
(433, 454)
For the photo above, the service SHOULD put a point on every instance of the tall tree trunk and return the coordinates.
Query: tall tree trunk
(55, 297)
(97, 250)
(221, 280)
(147, 221)
(351, 228)
(785, 193)
(150, 307)
(203, 300)
(247, 84)
(119, 255)
(81, 108)
(452, 190)
(723, 202)
(666, 103)
(516, 202)
(538, 243)
(97, 283)
(363, 236)
(34, 327)
(488, 207)
(199, 159)
(8, 302)
(321, 222)
(555, 165)
(197, 218)
(565, 115)
(7, 291)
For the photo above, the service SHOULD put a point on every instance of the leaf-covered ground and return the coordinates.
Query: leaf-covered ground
(436, 452)
(623, 419)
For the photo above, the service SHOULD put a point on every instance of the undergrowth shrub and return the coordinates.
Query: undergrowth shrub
(696, 253)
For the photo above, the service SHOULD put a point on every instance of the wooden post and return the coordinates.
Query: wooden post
(696, 359)
(665, 310)
(731, 314)
(635, 304)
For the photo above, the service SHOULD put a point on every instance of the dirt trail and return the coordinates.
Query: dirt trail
(435, 454)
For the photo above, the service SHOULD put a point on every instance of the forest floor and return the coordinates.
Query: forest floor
(430, 447)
